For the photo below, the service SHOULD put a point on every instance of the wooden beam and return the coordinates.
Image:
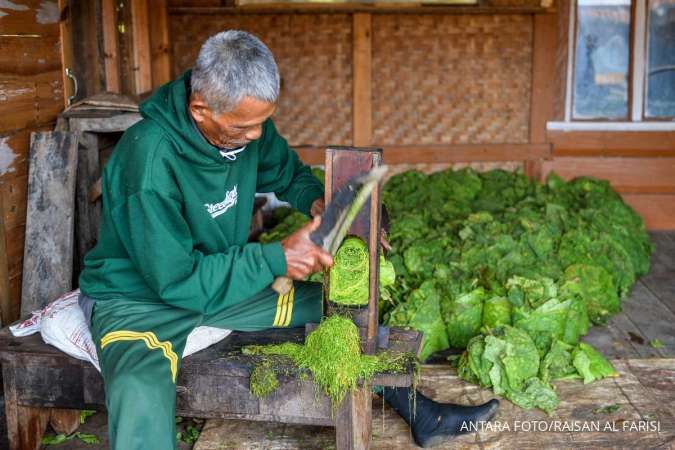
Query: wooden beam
(159, 43)
(543, 72)
(346, 8)
(64, 421)
(140, 47)
(117, 123)
(5, 297)
(629, 175)
(67, 57)
(613, 143)
(464, 153)
(429, 154)
(88, 65)
(88, 213)
(657, 210)
(362, 115)
(113, 81)
(354, 420)
(25, 424)
(542, 93)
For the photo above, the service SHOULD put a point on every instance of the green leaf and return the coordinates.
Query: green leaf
(496, 311)
(508, 361)
(609, 409)
(422, 312)
(594, 286)
(85, 414)
(557, 363)
(87, 438)
(54, 440)
(387, 272)
(590, 364)
(536, 394)
(464, 317)
(656, 343)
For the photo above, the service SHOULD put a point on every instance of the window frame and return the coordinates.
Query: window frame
(637, 66)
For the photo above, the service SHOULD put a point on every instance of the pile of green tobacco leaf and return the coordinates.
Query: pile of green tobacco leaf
(332, 353)
(287, 220)
(515, 271)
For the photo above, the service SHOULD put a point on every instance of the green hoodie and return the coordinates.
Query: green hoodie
(176, 214)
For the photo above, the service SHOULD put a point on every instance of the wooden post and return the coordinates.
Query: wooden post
(362, 115)
(159, 43)
(25, 425)
(343, 163)
(110, 46)
(354, 421)
(140, 47)
(88, 212)
(543, 72)
(354, 418)
(5, 298)
(67, 58)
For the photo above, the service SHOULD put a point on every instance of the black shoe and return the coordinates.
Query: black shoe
(433, 422)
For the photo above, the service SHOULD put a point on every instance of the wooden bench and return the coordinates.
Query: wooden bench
(213, 383)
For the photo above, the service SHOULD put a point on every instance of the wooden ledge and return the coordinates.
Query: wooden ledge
(451, 153)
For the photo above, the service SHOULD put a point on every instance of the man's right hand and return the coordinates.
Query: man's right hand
(303, 257)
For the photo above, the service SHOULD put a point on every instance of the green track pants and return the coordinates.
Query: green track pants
(140, 346)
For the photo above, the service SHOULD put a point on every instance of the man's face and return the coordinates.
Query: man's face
(232, 129)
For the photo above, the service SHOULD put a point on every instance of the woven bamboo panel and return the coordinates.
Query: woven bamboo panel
(451, 78)
(313, 53)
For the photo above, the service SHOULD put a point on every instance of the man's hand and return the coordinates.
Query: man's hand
(303, 257)
(318, 207)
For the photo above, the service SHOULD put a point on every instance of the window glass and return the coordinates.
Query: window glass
(602, 58)
(660, 77)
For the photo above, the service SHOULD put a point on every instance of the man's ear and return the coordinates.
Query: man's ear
(199, 108)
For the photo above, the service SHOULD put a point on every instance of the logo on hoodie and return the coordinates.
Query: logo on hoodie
(216, 209)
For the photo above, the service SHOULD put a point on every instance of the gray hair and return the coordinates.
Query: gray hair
(232, 65)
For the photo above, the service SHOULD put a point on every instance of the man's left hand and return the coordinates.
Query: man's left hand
(318, 207)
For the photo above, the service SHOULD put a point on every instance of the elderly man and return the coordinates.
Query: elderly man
(173, 254)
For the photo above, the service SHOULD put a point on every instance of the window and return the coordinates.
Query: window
(601, 60)
(660, 85)
(621, 64)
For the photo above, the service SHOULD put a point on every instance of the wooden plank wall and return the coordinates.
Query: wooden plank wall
(640, 165)
(31, 95)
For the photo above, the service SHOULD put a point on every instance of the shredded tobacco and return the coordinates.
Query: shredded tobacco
(332, 353)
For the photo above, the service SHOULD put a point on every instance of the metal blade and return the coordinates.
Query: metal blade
(343, 209)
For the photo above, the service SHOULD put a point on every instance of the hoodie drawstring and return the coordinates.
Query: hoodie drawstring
(231, 154)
